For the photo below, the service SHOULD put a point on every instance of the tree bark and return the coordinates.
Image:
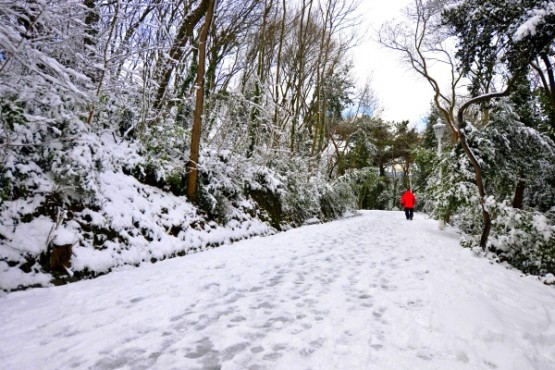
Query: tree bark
(518, 200)
(278, 65)
(192, 165)
(550, 91)
(261, 73)
(475, 164)
(178, 49)
(301, 60)
(91, 22)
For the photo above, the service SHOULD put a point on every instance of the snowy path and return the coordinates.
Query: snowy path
(370, 292)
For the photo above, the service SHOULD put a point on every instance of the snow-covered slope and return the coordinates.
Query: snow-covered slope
(369, 292)
(127, 224)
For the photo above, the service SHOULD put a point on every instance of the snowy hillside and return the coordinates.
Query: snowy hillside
(125, 212)
(128, 223)
(372, 291)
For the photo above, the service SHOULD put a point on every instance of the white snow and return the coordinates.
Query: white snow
(63, 236)
(141, 215)
(373, 291)
(30, 236)
(535, 18)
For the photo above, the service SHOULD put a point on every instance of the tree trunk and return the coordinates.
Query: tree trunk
(278, 65)
(91, 22)
(178, 49)
(260, 80)
(301, 60)
(550, 90)
(518, 200)
(192, 165)
(475, 164)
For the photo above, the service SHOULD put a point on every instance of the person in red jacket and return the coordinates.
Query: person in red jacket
(408, 200)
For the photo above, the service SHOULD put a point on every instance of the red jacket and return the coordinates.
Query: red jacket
(408, 200)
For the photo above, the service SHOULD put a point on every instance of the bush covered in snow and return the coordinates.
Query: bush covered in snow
(81, 202)
(526, 239)
(91, 197)
(509, 153)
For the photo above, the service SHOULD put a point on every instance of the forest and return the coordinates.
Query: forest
(136, 131)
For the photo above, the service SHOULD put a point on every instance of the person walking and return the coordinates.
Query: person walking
(408, 201)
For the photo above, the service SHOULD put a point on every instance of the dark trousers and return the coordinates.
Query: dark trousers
(409, 212)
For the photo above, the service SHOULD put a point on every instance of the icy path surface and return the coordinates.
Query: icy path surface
(370, 292)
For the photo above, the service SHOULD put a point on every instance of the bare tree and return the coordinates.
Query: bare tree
(423, 44)
(177, 50)
(192, 166)
(335, 17)
(91, 19)
(301, 65)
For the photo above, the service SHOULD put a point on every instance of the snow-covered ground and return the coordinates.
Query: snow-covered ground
(369, 292)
